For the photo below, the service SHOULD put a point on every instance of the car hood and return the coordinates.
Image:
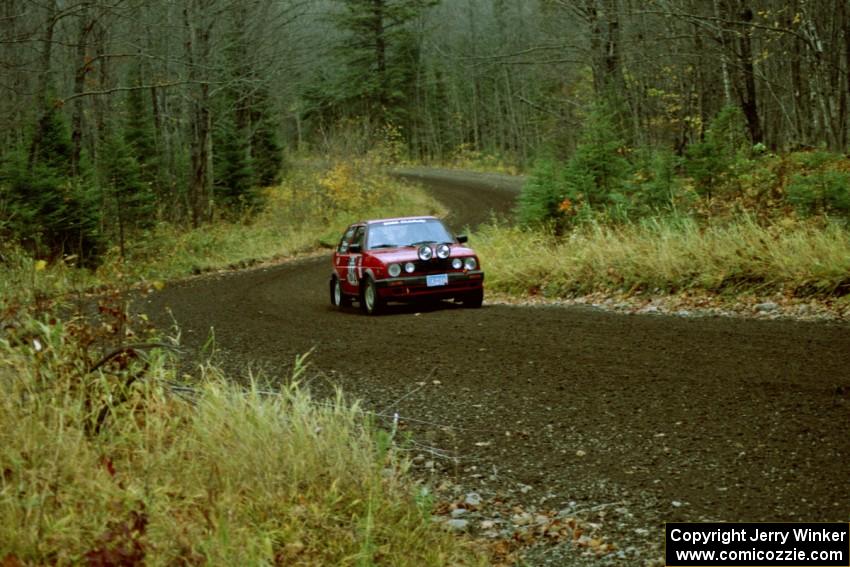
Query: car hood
(409, 253)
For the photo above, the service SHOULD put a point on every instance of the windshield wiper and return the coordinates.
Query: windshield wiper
(422, 242)
(385, 245)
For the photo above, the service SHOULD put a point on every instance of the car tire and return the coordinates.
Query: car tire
(338, 298)
(370, 301)
(474, 299)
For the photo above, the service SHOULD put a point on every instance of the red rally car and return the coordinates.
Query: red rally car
(404, 259)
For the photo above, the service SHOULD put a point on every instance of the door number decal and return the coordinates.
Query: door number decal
(352, 275)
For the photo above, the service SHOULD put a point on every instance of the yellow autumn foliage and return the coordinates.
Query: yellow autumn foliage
(353, 184)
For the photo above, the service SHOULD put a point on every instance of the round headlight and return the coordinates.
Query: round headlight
(443, 251)
(457, 263)
(409, 267)
(470, 263)
(425, 253)
(394, 270)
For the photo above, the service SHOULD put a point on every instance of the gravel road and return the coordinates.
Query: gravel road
(623, 421)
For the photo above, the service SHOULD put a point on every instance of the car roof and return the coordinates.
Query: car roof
(399, 220)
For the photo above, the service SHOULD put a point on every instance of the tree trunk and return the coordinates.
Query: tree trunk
(748, 96)
(101, 103)
(197, 55)
(44, 79)
(592, 15)
(157, 120)
(378, 8)
(612, 55)
(843, 89)
(701, 88)
(83, 67)
(724, 58)
(798, 92)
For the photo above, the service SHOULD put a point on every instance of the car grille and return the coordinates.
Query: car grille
(434, 266)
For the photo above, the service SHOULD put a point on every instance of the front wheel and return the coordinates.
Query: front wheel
(338, 298)
(370, 301)
(474, 299)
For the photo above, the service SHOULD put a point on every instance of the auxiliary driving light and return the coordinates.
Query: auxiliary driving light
(409, 267)
(394, 270)
(470, 263)
(425, 253)
(457, 263)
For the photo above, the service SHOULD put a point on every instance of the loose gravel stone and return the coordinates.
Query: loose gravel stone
(767, 306)
(458, 525)
(472, 499)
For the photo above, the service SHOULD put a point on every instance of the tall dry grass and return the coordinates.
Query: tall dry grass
(227, 476)
(670, 254)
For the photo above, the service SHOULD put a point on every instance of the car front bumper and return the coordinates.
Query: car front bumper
(411, 287)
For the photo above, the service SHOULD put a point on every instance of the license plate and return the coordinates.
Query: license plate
(436, 280)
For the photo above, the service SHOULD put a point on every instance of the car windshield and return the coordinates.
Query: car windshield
(392, 234)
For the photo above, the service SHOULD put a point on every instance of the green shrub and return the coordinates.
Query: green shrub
(50, 208)
(593, 179)
(823, 188)
(50, 213)
(597, 169)
(821, 192)
(656, 184)
(541, 194)
(716, 162)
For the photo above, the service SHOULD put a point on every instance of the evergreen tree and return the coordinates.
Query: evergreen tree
(139, 132)
(247, 153)
(592, 179)
(658, 183)
(376, 55)
(726, 145)
(266, 149)
(234, 175)
(596, 170)
(51, 143)
(542, 193)
(132, 200)
(51, 212)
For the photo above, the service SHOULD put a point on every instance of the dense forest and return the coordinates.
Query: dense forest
(119, 113)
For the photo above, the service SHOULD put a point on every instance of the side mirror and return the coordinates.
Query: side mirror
(354, 249)
(462, 238)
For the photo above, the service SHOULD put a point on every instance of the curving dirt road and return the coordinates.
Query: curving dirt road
(643, 418)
